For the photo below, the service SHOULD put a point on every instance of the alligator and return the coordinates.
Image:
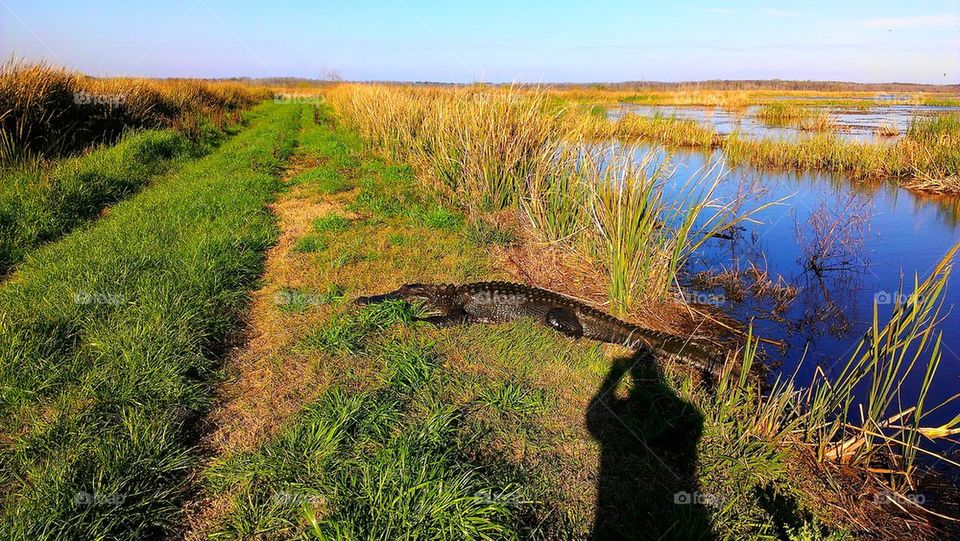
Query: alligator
(494, 302)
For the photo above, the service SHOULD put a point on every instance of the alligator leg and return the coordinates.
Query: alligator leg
(565, 321)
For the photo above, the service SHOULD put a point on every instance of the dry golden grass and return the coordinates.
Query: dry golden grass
(888, 129)
(736, 100)
(270, 382)
(46, 111)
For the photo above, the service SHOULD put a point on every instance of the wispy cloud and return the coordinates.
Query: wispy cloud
(782, 13)
(950, 20)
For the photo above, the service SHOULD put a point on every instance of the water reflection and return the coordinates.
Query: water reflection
(837, 245)
(851, 124)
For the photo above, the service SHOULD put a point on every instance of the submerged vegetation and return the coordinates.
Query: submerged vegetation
(791, 114)
(927, 158)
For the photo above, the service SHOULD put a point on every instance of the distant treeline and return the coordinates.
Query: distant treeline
(628, 86)
(771, 84)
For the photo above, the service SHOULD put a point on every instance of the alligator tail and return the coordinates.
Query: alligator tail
(697, 354)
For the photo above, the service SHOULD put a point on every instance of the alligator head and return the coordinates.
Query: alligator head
(436, 299)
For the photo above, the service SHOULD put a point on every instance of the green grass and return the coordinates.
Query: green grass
(326, 180)
(336, 172)
(936, 130)
(310, 245)
(366, 465)
(663, 129)
(38, 205)
(513, 399)
(437, 217)
(321, 231)
(98, 397)
(505, 431)
(347, 333)
(333, 223)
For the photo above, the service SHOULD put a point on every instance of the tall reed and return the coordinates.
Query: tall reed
(783, 113)
(497, 149)
(884, 359)
(666, 130)
(849, 416)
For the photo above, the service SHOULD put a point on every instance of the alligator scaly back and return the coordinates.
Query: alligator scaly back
(491, 302)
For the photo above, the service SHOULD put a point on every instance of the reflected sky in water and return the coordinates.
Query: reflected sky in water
(853, 124)
(878, 235)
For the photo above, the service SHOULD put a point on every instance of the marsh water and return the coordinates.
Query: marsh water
(842, 245)
(852, 124)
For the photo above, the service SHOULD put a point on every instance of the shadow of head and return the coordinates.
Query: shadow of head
(648, 435)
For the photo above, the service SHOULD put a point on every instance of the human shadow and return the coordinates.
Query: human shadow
(646, 484)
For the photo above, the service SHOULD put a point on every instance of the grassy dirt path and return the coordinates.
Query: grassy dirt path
(266, 387)
(110, 337)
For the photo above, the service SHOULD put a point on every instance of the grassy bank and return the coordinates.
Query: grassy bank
(798, 439)
(38, 205)
(47, 112)
(109, 335)
(396, 429)
(392, 428)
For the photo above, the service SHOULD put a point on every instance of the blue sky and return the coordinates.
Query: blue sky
(599, 40)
